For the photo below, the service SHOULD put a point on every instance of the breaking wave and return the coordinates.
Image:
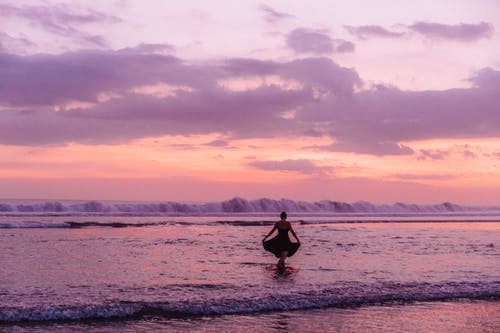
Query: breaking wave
(348, 296)
(235, 205)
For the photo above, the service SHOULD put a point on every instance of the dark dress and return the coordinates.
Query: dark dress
(280, 243)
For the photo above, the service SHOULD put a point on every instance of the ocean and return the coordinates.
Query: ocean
(99, 269)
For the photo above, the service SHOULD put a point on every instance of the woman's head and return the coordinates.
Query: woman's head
(283, 215)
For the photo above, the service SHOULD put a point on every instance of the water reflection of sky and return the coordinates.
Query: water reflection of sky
(63, 260)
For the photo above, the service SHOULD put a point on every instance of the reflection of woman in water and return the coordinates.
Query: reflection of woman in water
(280, 245)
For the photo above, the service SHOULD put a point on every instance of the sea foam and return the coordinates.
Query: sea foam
(347, 296)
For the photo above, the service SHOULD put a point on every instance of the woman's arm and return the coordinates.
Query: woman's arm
(270, 232)
(294, 234)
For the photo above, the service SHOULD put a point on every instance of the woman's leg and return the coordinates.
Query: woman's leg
(281, 262)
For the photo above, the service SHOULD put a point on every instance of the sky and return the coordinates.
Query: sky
(384, 101)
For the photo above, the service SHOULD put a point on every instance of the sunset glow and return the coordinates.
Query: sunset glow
(203, 101)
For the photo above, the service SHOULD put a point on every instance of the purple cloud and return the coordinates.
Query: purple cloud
(145, 48)
(217, 143)
(56, 17)
(299, 165)
(370, 31)
(432, 154)
(83, 75)
(486, 78)
(272, 16)
(246, 114)
(464, 32)
(316, 42)
(61, 20)
(14, 44)
(309, 41)
(367, 146)
(373, 122)
(377, 121)
(343, 46)
(469, 154)
(182, 146)
(424, 176)
(312, 72)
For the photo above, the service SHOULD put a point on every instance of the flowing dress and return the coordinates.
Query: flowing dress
(280, 243)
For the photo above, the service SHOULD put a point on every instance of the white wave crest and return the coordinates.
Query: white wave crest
(235, 205)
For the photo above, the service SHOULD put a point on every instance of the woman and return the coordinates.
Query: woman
(281, 246)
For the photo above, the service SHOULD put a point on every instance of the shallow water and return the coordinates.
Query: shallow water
(193, 267)
(458, 316)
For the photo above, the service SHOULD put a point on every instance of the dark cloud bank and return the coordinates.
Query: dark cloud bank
(326, 103)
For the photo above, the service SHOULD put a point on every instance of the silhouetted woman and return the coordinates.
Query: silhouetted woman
(280, 245)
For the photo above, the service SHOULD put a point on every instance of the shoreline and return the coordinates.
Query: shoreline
(461, 315)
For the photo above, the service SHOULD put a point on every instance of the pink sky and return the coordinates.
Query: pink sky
(199, 101)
